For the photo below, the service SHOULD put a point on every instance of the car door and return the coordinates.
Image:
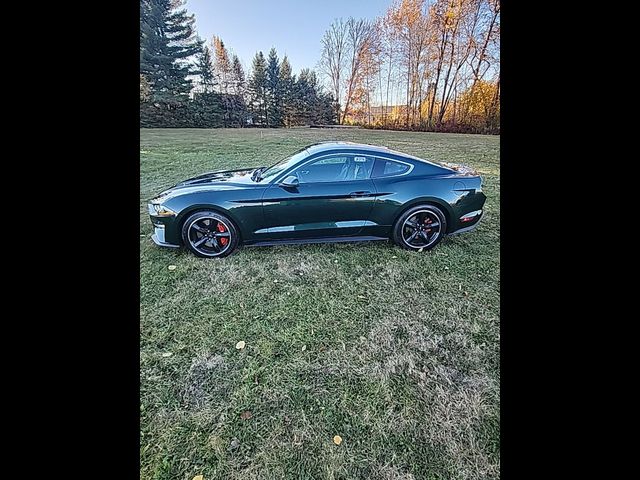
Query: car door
(334, 198)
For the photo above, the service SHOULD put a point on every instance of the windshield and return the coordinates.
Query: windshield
(283, 164)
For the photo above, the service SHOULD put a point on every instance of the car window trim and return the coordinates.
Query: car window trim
(305, 149)
(295, 167)
(410, 165)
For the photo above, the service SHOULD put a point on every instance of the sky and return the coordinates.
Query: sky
(293, 27)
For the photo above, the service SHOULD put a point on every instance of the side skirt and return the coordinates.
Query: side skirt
(305, 241)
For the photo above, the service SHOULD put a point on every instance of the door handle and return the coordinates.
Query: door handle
(360, 194)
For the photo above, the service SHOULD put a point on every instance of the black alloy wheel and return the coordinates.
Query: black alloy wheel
(420, 228)
(209, 234)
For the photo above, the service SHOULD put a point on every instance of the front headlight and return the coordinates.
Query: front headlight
(160, 210)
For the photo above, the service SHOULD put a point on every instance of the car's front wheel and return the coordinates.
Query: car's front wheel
(420, 228)
(210, 234)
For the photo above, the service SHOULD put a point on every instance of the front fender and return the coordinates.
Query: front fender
(244, 209)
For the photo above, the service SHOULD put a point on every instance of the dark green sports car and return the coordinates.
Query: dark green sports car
(329, 192)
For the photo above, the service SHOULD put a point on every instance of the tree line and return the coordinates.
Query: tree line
(185, 82)
(424, 65)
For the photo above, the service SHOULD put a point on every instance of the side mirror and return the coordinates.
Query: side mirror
(290, 181)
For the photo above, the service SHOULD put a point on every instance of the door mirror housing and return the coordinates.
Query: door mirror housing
(290, 181)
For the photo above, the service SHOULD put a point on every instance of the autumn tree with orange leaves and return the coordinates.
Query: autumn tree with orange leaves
(424, 65)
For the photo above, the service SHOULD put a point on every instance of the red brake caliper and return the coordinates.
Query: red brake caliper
(223, 240)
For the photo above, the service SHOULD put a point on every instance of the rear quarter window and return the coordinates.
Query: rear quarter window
(388, 168)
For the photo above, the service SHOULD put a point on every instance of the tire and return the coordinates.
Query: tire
(430, 227)
(209, 234)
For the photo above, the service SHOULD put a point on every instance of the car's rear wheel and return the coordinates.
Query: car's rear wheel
(210, 234)
(420, 228)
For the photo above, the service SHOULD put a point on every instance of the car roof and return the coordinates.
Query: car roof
(330, 146)
(324, 146)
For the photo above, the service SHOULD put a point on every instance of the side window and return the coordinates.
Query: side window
(330, 161)
(388, 168)
(336, 168)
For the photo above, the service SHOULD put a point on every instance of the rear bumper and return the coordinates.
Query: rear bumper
(470, 227)
(158, 238)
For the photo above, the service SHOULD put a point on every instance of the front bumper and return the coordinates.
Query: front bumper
(160, 225)
(158, 238)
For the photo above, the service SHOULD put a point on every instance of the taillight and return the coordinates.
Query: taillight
(470, 216)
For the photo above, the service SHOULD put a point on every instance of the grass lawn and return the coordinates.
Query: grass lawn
(396, 352)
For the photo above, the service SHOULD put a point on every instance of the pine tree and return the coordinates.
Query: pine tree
(237, 74)
(205, 111)
(311, 106)
(221, 68)
(167, 41)
(257, 89)
(274, 94)
(303, 98)
(205, 108)
(313, 101)
(204, 67)
(239, 89)
(286, 89)
(221, 65)
(326, 109)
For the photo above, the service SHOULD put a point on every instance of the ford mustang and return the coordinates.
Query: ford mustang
(328, 192)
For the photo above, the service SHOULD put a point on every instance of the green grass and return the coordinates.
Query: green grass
(397, 352)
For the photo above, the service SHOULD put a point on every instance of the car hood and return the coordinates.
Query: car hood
(212, 181)
(237, 177)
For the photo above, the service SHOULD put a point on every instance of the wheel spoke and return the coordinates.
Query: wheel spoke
(200, 242)
(424, 235)
(223, 234)
(215, 244)
(434, 224)
(200, 229)
(411, 224)
(412, 236)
